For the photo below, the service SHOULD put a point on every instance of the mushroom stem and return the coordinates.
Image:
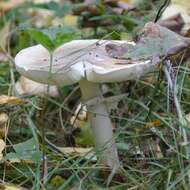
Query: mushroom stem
(100, 122)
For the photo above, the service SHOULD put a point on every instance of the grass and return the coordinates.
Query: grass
(148, 131)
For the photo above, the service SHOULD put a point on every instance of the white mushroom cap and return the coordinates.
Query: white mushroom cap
(76, 60)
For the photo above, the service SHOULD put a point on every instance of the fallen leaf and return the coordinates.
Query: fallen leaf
(3, 120)
(2, 147)
(155, 42)
(125, 5)
(13, 158)
(174, 23)
(188, 118)
(154, 123)
(87, 153)
(75, 150)
(184, 3)
(46, 17)
(6, 6)
(27, 152)
(11, 100)
(70, 20)
(10, 187)
(81, 112)
(26, 86)
(179, 7)
(4, 33)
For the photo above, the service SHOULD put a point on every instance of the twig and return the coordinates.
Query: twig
(162, 9)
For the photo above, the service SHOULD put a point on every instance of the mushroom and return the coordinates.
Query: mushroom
(25, 86)
(85, 62)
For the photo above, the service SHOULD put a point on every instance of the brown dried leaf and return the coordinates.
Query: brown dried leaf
(125, 5)
(155, 42)
(75, 150)
(10, 187)
(4, 33)
(6, 6)
(2, 147)
(3, 120)
(11, 100)
(174, 23)
(181, 7)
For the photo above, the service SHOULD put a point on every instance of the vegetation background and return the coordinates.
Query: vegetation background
(45, 144)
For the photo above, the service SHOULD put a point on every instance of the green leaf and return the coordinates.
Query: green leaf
(151, 48)
(53, 37)
(27, 150)
(155, 42)
(41, 38)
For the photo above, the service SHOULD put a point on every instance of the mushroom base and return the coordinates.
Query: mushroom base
(101, 125)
